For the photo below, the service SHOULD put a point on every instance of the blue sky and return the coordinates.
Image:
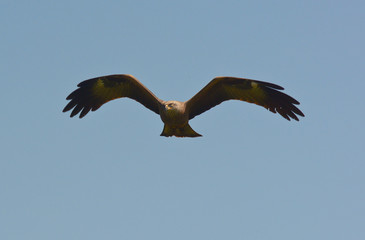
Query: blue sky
(253, 175)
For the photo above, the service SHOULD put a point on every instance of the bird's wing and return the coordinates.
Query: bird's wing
(94, 92)
(261, 93)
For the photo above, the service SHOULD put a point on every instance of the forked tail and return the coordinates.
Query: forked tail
(185, 131)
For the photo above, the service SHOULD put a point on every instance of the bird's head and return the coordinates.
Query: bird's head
(170, 105)
(174, 107)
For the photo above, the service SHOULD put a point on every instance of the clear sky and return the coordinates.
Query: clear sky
(253, 174)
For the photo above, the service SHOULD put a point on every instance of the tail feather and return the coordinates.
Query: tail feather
(185, 131)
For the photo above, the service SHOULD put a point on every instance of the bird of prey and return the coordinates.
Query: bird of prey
(175, 115)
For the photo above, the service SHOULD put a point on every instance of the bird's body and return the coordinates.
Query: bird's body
(93, 93)
(176, 117)
(174, 113)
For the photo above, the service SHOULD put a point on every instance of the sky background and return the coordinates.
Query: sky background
(253, 174)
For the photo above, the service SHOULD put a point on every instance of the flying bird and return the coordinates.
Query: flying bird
(175, 115)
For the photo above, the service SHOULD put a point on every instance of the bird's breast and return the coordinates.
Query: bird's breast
(173, 116)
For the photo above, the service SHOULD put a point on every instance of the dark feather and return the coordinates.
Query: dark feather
(93, 93)
(229, 88)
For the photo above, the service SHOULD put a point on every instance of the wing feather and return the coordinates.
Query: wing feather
(94, 92)
(264, 94)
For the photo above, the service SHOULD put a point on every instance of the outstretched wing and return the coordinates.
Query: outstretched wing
(94, 92)
(261, 93)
